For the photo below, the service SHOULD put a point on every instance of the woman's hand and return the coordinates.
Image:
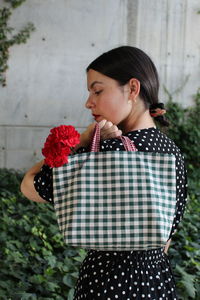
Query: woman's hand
(109, 130)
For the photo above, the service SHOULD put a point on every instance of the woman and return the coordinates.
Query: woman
(123, 98)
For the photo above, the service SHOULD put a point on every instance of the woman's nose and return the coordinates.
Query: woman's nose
(89, 103)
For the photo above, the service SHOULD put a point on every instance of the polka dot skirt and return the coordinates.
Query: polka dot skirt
(126, 275)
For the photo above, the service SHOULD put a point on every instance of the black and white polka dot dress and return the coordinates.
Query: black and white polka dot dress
(127, 275)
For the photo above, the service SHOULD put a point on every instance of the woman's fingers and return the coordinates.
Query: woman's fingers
(102, 123)
(108, 130)
(107, 125)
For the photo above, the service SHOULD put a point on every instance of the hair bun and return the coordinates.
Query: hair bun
(157, 111)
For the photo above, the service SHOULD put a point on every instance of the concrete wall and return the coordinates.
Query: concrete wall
(169, 31)
(46, 77)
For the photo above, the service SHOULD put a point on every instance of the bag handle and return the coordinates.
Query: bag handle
(95, 145)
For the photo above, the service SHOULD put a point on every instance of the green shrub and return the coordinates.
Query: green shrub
(36, 264)
(185, 131)
(185, 253)
(185, 248)
(34, 261)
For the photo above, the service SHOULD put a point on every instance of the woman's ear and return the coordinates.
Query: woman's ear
(134, 88)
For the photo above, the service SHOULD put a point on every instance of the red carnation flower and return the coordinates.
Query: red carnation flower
(58, 145)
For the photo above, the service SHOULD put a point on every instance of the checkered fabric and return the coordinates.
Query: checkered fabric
(116, 200)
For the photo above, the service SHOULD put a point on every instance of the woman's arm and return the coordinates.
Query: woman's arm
(167, 246)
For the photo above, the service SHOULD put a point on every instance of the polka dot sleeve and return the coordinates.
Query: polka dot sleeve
(181, 192)
(43, 183)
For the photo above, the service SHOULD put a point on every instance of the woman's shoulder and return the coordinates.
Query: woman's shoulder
(146, 140)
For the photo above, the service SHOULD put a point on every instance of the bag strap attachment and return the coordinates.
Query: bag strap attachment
(128, 144)
(95, 144)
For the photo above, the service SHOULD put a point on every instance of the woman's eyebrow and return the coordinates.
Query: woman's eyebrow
(93, 83)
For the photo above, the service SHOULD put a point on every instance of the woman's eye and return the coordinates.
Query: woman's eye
(97, 92)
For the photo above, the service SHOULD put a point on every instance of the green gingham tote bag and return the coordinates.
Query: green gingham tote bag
(116, 200)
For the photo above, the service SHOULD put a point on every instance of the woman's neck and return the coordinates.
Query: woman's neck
(138, 119)
(145, 121)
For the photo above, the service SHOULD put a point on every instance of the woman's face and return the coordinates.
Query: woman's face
(107, 100)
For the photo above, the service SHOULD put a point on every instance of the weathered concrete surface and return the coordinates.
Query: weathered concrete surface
(46, 77)
(169, 31)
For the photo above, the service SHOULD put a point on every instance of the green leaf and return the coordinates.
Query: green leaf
(187, 281)
(71, 294)
(69, 280)
(28, 296)
(51, 260)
